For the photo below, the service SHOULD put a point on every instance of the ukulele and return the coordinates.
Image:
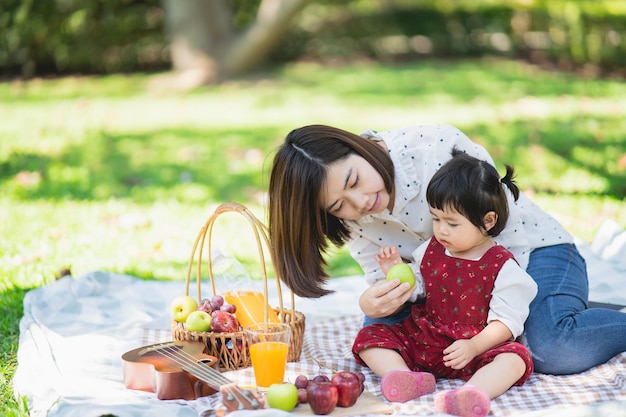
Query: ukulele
(179, 370)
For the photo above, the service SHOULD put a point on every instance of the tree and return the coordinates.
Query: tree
(207, 48)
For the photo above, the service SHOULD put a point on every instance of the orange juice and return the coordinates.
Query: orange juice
(268, 360)
(250, 307)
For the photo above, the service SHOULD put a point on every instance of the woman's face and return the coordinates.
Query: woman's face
(353, 189)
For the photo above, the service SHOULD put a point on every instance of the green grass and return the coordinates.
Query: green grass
(108, 173)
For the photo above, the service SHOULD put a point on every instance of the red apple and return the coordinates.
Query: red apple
(224, 322)
(322, 397)
(348, 388)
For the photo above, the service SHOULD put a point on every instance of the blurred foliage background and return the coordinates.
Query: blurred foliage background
(42, 37)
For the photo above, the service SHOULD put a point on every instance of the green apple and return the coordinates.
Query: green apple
(182, 306)
(198, 321)
(282, 396)
(402, 272)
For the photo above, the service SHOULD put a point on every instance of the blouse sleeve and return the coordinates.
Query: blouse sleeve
(513, 291)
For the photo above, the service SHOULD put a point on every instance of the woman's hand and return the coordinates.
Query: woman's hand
(384, 298)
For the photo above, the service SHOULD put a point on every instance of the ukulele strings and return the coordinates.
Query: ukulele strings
(203, 371)
(208, 375)
(184, 359)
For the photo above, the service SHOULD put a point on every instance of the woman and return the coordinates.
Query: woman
(369, 191)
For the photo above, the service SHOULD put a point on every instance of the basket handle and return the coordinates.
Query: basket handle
(261, 233)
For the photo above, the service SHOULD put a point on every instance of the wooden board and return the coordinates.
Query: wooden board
(367, 403)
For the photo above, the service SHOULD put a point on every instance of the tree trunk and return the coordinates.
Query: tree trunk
(204, 46)
(199, 32)
(252, 47)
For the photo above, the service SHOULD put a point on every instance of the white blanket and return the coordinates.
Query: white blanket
(75, 330)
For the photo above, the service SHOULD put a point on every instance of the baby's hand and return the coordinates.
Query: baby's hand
(387, 257)
(459, 353)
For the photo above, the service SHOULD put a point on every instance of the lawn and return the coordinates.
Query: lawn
(110, 173)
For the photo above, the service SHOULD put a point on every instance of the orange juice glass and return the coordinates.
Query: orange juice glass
(268, 344)
(250, 307)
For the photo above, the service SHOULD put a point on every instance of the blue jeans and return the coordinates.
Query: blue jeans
(563, 335)
(390, 320)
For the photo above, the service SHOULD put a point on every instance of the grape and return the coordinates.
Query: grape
(205, 305)
(230, 308)
(361, 376)
(320, 378)
(301, 381)
(218, 300)
(302, 396)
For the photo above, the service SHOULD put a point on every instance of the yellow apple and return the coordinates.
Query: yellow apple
(198, 321)
(402, 272)
(182, 306)
(283, 396)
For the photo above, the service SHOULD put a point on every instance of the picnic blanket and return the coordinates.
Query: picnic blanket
(75, 330)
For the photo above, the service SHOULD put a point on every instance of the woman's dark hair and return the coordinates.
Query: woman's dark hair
(299, 227)
(473, 188)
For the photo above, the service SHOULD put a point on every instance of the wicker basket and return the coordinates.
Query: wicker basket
(231, 348)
